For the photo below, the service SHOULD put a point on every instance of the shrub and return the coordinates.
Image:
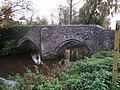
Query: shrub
(30, 79)
(100, 80)
(93, 73)
(9, 48)
(9, 38)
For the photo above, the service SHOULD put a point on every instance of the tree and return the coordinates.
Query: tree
(96, 11)
(9, 8)
(43, 21)
(71, 4)
(52, 18)
(64, 15)
(39, 21)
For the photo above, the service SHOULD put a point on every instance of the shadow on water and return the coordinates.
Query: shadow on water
(10, 65)
(14, 64)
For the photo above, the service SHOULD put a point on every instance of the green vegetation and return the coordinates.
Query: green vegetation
(89, 74)
(9, 37)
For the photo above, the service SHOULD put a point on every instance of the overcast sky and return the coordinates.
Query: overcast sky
(46, 7)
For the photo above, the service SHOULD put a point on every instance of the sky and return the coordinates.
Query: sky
(46, 7)
(113, 20)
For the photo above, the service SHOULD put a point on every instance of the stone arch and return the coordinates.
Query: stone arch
(74, 46)
(27, 43)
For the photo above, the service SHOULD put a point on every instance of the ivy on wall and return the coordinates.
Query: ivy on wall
(9, 37)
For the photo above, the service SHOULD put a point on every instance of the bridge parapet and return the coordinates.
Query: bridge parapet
(49, 38)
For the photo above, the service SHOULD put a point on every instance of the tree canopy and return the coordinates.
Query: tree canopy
(96, 11)
(9, 8)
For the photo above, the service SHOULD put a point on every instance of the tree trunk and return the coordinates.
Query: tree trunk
(71, 11)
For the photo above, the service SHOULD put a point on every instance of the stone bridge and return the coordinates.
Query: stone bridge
(52, 40)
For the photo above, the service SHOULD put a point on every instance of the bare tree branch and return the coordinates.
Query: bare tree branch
(17, 6)
(76, 3)
(71, 5)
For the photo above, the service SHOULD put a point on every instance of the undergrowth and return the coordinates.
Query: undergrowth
(93, 73)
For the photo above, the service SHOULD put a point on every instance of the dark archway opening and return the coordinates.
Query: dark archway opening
(28, 46)
(72, 50)
(17, 63)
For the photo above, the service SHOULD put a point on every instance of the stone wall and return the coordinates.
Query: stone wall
(50, 38)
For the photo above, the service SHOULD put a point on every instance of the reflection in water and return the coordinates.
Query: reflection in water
(36, 58)
(14, 64)
(10, 65)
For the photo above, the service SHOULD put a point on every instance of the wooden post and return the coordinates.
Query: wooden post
(116, 53)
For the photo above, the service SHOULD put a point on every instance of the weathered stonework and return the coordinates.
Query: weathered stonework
(51, 38)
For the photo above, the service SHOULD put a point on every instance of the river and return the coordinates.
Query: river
(10, 65)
